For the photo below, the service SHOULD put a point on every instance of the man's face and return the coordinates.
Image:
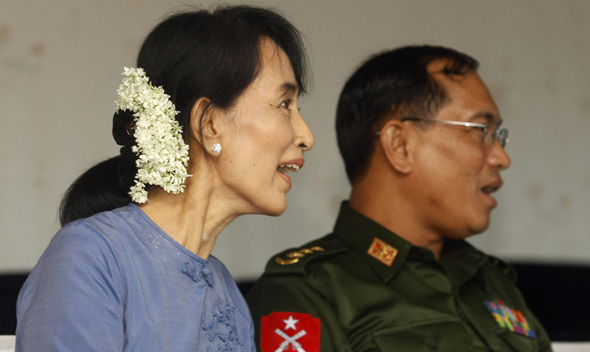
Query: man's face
(456, 171)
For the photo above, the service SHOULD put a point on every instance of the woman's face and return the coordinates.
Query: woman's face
(266, 140)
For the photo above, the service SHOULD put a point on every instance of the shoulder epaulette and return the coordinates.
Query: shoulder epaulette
(294, 260)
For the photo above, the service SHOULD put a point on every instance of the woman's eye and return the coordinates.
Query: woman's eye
(285, 104)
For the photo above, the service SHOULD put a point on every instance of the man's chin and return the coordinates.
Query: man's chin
(469, 231)
(479, 228)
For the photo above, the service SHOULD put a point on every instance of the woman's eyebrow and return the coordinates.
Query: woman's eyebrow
(288, 88)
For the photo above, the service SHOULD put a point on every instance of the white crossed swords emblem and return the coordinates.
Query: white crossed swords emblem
(290, 340)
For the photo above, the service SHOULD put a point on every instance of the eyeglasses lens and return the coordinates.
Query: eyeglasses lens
(492, 134)
(502, 136)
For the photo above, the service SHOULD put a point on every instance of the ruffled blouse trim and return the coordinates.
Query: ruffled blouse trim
(197, 271)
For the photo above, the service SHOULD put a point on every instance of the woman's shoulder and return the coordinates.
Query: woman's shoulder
(81, 252)
(107, 225)
(104, 235)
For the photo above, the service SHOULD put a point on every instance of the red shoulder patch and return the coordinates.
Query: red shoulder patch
(289, 331)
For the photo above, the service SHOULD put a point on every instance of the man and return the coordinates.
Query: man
(421, 140)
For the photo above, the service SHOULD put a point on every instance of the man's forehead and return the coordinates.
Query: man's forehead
(469, 92)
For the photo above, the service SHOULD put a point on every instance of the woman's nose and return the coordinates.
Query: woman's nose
(303, 137)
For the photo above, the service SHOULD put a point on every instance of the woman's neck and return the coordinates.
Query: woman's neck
(193, 218)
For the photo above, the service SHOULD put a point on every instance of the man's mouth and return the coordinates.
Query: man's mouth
(489, 189)
(492, 187)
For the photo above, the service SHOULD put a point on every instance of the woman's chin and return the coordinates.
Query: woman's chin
(277, 212)
(273, 209)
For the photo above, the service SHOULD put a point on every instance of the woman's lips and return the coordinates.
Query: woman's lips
(289, 166)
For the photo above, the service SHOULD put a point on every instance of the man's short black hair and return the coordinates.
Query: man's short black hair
(390, 84)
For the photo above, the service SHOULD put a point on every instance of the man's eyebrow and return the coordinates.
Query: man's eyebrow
(486, 115)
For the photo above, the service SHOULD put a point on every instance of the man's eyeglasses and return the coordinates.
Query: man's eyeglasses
(491, 131)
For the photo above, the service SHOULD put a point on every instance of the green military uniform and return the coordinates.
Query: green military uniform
(373, 291)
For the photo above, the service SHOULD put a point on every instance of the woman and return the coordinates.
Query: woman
(139, 276)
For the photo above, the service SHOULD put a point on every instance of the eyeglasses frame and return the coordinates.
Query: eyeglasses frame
(499, 134)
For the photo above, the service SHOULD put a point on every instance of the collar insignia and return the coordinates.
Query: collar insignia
(382, 251)
(510, 318)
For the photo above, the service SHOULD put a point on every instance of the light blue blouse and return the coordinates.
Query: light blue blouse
(116, 282)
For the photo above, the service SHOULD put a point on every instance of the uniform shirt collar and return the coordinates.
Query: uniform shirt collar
(461, 261)
(359, 232)
(459, 258)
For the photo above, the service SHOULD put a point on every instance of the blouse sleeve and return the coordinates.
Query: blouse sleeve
(72, 300)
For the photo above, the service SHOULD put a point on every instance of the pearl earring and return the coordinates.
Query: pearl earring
(216, 148)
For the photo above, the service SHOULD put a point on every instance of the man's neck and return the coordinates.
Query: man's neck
(380, 207)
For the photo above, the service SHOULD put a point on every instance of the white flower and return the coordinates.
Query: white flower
(162, 155)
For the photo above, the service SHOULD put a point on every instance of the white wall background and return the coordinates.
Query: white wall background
(60, 65)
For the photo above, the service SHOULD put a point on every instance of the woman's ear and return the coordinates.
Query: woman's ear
(394, 141)
(205, 127)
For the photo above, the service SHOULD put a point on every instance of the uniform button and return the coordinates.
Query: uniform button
(432, 346)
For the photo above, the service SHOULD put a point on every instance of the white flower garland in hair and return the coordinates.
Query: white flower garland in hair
(162, 153)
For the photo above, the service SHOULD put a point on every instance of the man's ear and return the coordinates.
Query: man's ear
(393, 138)
(205, 127)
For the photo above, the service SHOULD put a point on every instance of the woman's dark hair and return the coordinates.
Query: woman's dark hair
(213, 54)
(394, 82)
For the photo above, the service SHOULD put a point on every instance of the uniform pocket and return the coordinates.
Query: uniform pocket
(434, 335)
